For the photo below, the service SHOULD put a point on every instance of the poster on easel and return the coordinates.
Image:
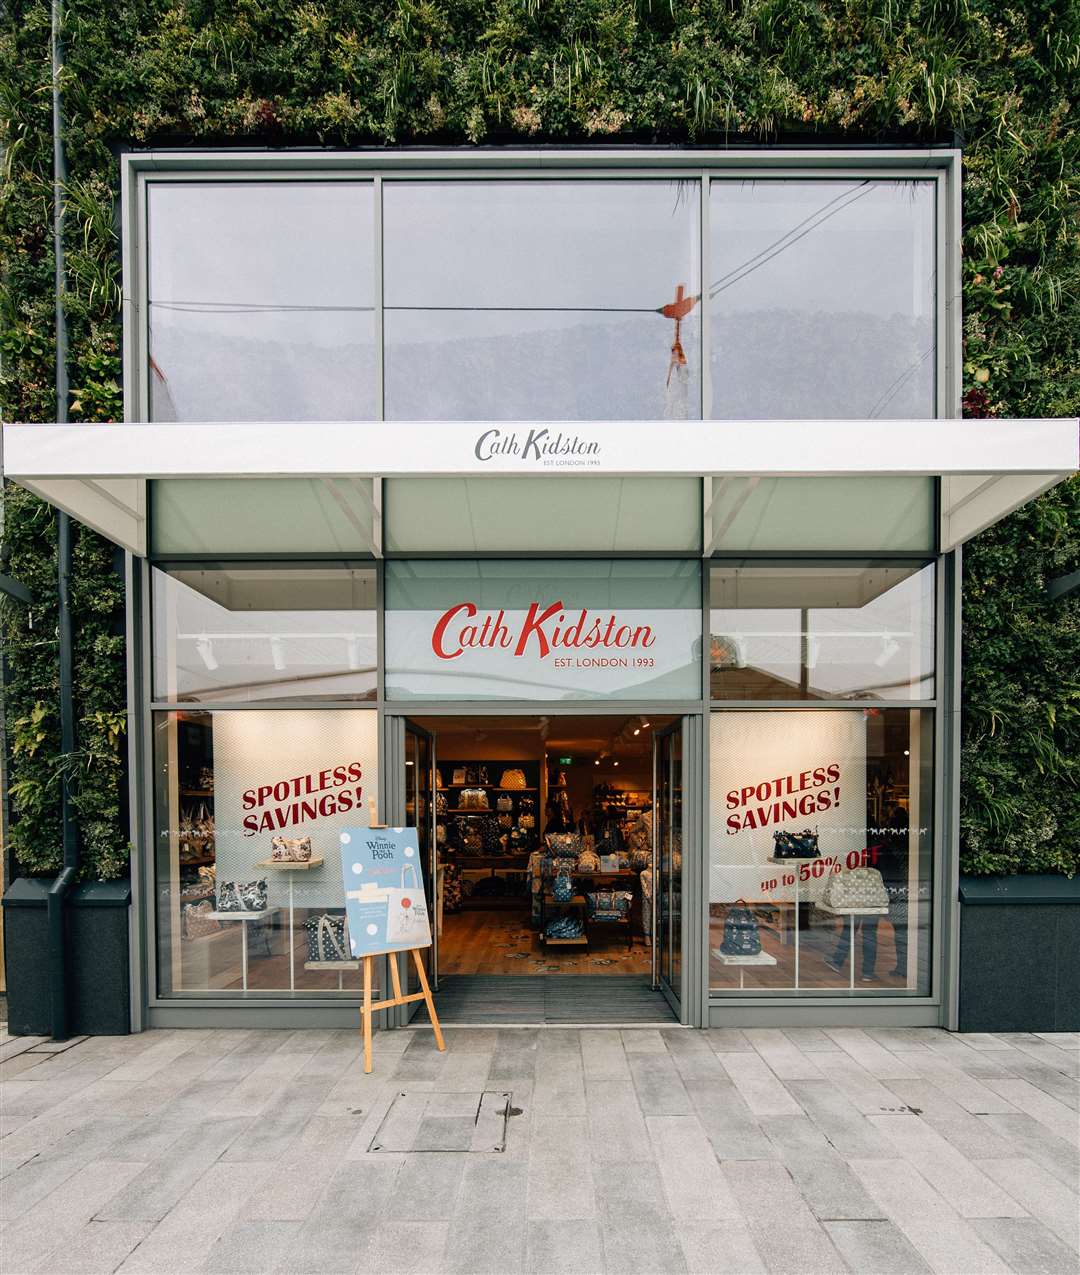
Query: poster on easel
(384, 891)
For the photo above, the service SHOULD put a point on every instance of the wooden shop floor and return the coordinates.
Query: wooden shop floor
(500, 941)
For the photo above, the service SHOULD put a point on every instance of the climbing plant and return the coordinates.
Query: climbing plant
(997, 79)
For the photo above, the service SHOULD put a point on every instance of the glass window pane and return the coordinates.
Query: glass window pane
(541, 514)
(226, 785)
(543, 629)
(824, 631)
(821, 862)
(261, 301)
(264, 632)
(822, 299)
(262, 515)
(512, 300)
(855, 514)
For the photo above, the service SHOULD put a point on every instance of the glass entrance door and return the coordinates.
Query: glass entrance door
(419, 814)
(669, 861)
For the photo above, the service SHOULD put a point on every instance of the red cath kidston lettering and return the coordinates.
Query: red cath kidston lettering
(543, 630)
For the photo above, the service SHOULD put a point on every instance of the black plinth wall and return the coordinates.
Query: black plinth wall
(98, 955)
(1020, 954)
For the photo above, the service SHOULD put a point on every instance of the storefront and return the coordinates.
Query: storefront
(593, 512)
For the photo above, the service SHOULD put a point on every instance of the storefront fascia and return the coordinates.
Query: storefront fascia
(981, 470)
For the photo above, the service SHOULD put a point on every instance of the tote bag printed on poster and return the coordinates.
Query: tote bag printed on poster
(384, 890)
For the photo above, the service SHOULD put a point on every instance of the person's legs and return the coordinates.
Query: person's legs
(868, 925)
(898, 916)
(843, 946)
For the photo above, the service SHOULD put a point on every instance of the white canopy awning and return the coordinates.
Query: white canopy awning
(98, 473)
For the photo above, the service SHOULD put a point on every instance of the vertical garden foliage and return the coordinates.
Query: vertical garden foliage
(998, 78)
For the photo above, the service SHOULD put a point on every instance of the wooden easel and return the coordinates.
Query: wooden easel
(369, 1007)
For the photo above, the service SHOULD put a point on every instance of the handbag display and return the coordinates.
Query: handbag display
(564, 844)
(327, 937)
(291, 849)
(588, 861)
(513, 779)
(609, 905)
(243, 896)
(504, 803)
(458, 776)
(796, 845)
(741, 934)
(562, 888)
(564, 927)
(474, 799)
(526, 821)
(440, 803)
(856, 889)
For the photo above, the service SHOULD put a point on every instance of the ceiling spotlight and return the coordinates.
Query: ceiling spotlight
(597, 762)
(907, 752)
(277, 653)
(889, 647)
(644, 723)
(206, 649)
(637, 730)
(614, 763)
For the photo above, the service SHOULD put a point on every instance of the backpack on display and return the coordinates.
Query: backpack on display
(741, 934)
(855, 889)
(327, 938)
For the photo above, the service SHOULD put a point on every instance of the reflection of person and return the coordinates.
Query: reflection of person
(893, 863)
(867, 928)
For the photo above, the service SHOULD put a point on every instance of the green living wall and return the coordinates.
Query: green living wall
(996, 78)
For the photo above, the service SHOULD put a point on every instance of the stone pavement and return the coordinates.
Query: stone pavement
(641, 1150)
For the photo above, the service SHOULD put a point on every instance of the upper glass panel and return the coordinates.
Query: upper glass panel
(550, 514)
(859, 515)
(518, 300)
(261, 301)
(262, 515)
(238, 633)
(821, 298)
(821, 631)
(543, 629)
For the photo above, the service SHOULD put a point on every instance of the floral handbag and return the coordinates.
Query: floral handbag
(796, 845)
(562, 889)
(513, 779)
(243, 896)
(741, 934)
(291, 849)
(196, 921)
(474, 799)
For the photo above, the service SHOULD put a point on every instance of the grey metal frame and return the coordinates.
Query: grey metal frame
(940, 165)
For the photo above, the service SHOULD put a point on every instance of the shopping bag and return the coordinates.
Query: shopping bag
(407, 913)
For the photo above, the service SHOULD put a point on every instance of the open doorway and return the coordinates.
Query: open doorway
(543, 864)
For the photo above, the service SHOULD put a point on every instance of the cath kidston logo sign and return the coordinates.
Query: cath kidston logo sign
(543, 650)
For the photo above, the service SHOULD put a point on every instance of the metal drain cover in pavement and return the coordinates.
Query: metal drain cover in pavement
(444, 1122)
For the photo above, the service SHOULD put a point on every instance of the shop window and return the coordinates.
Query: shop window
(820, 852)
(261, 301)
(231, 920)
(821, 297)
(240, 632)
(262, 515)
(471, 515)
(543, 629)
(821, 631)
(518, 300)
(854, 515)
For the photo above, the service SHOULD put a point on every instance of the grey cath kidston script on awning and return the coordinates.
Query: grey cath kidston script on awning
(987, 468)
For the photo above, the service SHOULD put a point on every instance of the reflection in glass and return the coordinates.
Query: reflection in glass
(261, 298)
(264, 632)
(512, 300)
(821, 631)
(821, 851)
(822, 299)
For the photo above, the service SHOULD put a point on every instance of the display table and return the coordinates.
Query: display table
(244, 917)
(290, 866)
(787, 862)
(853, 913)
(762, 958)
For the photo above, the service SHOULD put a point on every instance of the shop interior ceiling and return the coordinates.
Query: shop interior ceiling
(584, 738)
